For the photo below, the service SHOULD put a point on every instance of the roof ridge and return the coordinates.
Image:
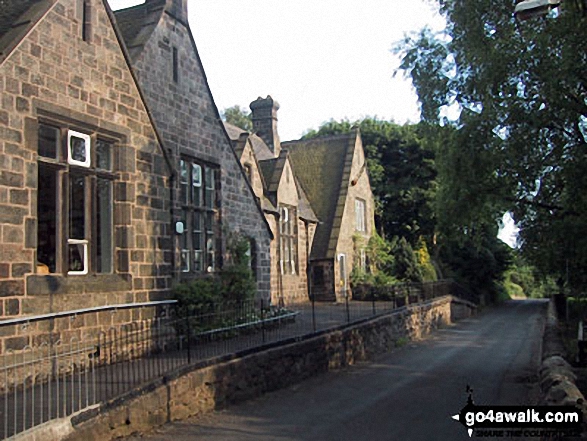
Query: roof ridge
(321, 138)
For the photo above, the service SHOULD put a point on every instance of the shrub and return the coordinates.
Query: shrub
(198, 296)
(234, 283)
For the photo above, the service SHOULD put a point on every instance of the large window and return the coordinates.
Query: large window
(74, 202)
(287, 240)
(199, 197)
(360, 215)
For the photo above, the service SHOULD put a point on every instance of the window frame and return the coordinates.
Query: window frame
(64, 167)
(288, 235)
(360, 215)
(200, 216)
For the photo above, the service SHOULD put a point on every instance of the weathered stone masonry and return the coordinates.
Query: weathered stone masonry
(244, 376)
(171, 74)
(56, 77)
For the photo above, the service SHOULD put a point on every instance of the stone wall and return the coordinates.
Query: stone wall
(350, 240)
(558, 382)
(56, 77)
(189, 123)
(213, 385)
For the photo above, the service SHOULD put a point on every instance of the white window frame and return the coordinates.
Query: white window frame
(88, 159)
(84, 244)
(360, 211)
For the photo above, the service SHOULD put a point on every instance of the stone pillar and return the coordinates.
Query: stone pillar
(265, 122)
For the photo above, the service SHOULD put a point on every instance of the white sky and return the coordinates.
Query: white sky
(320, 59)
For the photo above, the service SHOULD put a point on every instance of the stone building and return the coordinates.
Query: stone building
(84, 180)
(333, 173)
(117, 178)
(284, 202)
(324, 182)
(212, 196)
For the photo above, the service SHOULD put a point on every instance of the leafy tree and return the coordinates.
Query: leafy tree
(402, 174)
(238, 116)
(481, 267)
(520, 140)
(405, 261)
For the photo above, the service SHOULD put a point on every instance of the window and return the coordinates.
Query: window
(175, 65)
(287, 234)
(249, 172)
(86, 20)
(199, 198)
(363, 260)
(360, 215)
(74, 202)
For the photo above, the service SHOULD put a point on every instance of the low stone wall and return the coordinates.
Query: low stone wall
(216, 383)
(461, 309)
(557, 379)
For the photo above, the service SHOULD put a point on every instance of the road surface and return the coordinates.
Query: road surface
(409, 394)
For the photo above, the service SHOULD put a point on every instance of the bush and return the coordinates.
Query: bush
(405, 266)
(234, 283)
(198, 296)
(425, 263)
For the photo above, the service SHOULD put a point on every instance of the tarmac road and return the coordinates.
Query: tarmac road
(409, 394)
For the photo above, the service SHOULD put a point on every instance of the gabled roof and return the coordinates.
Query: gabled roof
(137, 23)
(16, 19)
(262, 151)
(323, 167)
(272, 170)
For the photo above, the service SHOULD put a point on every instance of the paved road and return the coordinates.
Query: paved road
(409, 394)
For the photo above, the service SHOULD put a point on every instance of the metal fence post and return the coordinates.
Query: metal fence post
(188, 337)
(263, 320)
(346, 299)
(313, 312)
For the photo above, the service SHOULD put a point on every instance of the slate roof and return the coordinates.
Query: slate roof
(137, 23)
(262, 151)
(323, 168)
(16, 18)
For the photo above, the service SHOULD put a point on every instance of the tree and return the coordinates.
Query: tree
(238, 116)
(520, 140)
(402, 173)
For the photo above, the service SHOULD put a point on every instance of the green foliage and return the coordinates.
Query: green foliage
(380, 258)
(425, 262)
(520, 141)
(525, 280)
(479, 267)
(379, 254)
(238, 116)
(405, 263)
(237, 279)
(401, 171)
(235, 282)
(198, 296)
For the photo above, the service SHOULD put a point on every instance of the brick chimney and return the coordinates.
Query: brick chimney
(264, 113)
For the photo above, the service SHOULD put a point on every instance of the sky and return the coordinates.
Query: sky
(320, 59)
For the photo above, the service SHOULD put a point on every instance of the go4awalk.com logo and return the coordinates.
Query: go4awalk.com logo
(519, 421)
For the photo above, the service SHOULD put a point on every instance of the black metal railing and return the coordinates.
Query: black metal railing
(63, 375)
